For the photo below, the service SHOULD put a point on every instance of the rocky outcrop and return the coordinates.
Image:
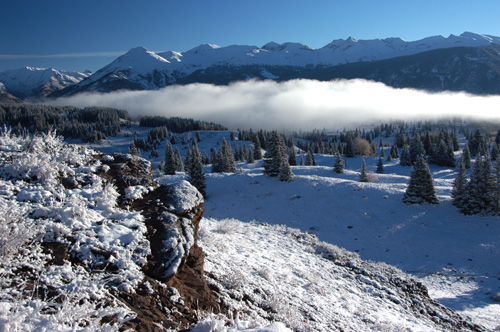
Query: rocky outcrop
(174, 288)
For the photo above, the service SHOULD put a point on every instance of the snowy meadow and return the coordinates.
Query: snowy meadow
(319, 251)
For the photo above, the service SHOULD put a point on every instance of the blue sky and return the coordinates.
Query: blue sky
(79, 35)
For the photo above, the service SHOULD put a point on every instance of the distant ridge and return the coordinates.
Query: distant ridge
(469, 62)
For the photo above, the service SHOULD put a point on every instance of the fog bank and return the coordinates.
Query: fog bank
(293, 105)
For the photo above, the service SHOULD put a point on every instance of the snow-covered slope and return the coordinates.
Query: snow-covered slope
(144, 69)
(276, 273)
(38, 82)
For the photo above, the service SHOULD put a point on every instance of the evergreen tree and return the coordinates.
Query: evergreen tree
(421, 186)
(394, 151)
(196, 175)
(491, 196)
(380, 166)
(477, 143)
(349, 147)
(257, 149)
(310, 159)
(427, 143)
(405, 157)
(250, 157)
(338, 166)
(494, 151)
(292, 157)
(214, 160)
(459, 185)
(285, 172)
(188, 159)
(466, 156)
(363, 175)
(170, 165)
(226, 158)
(416, 149)
(205, 159)
(276, 159)
(179, 167)
(473, 200)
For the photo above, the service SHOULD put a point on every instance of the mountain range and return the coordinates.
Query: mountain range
(469, 62)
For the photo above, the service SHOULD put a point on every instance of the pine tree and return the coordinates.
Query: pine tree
(405, 157)
(473, 199)
(250, 158)
(338, 166)
(416, 149)
(382, 153)
(466, 156)
(196, 175)
(363, 175)
(226, 158)
(491, 187)
(494, 151)
(285, 172)
(272, 156)
(179, 166)
(188, 159)
(170, 164)
(310, 159)
(394, 151)
(421, 186)
(349, 147)
(257, 149)
(276, 159)
(459, 185)
(380, 166)
(292, 157)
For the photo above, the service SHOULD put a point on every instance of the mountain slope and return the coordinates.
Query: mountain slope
(38, 82)
(140, 69)
(281, 274)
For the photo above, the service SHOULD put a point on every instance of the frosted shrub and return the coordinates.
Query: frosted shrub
(42, 158)
(334, 253)
(15, 231)
(372, 177)
(228, 226)
(106, 199)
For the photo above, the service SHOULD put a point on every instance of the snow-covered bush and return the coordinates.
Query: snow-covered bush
(228, 226)
(36, 209)
(334, 253)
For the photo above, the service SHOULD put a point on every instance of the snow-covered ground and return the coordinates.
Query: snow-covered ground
(455, 256)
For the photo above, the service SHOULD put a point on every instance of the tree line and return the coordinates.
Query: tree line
(89, 124)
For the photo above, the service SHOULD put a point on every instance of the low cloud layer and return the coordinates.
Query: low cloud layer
(293, 105)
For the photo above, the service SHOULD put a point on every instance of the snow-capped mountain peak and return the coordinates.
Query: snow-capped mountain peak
(143, 69)
(203, 48)
(271, 46)
(139, 58)
(30, 81)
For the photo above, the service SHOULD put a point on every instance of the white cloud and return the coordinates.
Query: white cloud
(293, 105)
(61, 55)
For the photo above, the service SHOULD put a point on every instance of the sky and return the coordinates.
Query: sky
(80, 35)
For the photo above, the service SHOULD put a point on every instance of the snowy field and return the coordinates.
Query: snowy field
(457, 257)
